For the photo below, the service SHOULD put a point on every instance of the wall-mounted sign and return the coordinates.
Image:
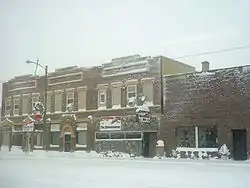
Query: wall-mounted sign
(110, 123)
(28, 127)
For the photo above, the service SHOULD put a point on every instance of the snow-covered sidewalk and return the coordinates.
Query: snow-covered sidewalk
(64, 170)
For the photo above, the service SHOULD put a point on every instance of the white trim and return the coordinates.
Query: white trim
(131, 82)
(65, 75)
(57, 112)
(38, 147)
(105, 75)
(59, 91)
(127, 64)
(23, 88)
(81, 145)
(197, 149)
(35, 94)
(102, 86)
(65, 82)
(70, 89)
(116, 84)
(196, 137)
(16, 96)
(81, 88)
(124, 139)
(54, 146)
(82, 110)
(26, 95)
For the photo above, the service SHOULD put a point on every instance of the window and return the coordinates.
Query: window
(81, 138)
(102, 136)
(131, 91)
(208, 137)
(70, 98)
(186, 137)
(39, 139)
(102, 96)
(54, 140)
(34, 101)
(118, 135)
(16, 107)
(133, 135)
(197, 137)
(17, 139)
(7, 107)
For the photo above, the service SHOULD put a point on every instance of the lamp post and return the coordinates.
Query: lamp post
(45, 128)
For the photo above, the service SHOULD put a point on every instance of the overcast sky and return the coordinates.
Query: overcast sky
(91, 32)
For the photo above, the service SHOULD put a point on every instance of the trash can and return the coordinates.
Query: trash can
(160, 149)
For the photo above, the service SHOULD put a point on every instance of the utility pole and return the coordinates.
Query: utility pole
(45, 126)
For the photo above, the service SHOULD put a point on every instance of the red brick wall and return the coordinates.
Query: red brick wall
(218, 98)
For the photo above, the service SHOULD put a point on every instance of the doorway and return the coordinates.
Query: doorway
(149, 144)
(67, 142)
(239, 144)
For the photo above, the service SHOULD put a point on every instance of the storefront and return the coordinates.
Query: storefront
(68, 135)
(126, 134)
(6, 133)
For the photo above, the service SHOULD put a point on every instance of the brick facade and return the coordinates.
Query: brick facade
(219, 98)
(84, 83)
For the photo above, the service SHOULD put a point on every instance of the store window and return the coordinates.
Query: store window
(185, 136)
(208, 137)
(81, 138)
(54, 140)
(197, 137)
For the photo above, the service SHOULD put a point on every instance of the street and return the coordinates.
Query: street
(64, 171)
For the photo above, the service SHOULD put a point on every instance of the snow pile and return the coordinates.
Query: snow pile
(195, 153)
(224, 152)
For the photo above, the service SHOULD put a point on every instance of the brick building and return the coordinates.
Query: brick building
(103, 102)
(204, 110)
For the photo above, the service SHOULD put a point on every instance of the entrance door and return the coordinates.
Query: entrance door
(149, 144)
(240, 144)
(67, 139)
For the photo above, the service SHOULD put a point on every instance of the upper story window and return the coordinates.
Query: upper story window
(7, 107)
(16, 105)
(70, 98)
(35, 99)
(102, 97)
(131, 91)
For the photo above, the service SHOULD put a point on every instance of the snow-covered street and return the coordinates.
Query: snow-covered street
(64, 171)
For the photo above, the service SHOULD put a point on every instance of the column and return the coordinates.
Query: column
(81, 98)
(116, 94)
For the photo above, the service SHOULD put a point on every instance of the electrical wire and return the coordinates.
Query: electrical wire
(213, 52)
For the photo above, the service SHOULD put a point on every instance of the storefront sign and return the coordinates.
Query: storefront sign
(110, 123)
(28, 127)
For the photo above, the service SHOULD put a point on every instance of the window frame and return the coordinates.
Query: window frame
(100, 94)
(197, 137)
(135, 90)
(7, 103)
(69, 97)
(16, 106)
(77, 138)
(118, 139)
(37, 97)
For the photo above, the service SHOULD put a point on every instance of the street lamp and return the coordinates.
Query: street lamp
(45, 96)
